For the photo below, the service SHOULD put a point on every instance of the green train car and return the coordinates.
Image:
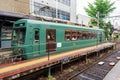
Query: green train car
(32, 38)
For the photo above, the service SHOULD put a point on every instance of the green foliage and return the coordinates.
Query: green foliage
(116, 36)
(107, 27)
(104, 8)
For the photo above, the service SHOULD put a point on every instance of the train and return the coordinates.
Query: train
(33, 38)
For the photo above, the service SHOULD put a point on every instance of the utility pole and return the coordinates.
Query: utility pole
(49, 68)
(97, 15)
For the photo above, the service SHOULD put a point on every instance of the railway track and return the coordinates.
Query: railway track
(92, 70)
(96, 71)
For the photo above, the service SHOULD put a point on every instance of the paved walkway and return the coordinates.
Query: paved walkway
(114, 74)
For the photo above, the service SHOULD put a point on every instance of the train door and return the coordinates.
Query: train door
(50, 40)
(36, 42)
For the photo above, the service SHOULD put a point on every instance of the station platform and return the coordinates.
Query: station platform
(5, 52)
(114, 74)
(19, 69)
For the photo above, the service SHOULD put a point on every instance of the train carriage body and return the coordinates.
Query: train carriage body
(33, 38)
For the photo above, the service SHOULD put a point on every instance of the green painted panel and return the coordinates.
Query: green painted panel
(61, 44)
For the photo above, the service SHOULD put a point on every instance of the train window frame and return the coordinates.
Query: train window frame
(95, 35)
(68, 34)
(92, 35)
(89, 35)
(36, 35)
(51, 34)
(83, 35)
(74, 35)
(19, 25)
(100, 37)
(18, 35)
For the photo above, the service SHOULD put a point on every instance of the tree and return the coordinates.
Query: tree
(98, 11)
(103, 7)
(108, 30)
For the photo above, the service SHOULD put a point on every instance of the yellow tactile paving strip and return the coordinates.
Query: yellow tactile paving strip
(6, 52)
(43, 59)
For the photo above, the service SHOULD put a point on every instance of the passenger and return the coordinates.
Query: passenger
(74, 38)
(68, 39)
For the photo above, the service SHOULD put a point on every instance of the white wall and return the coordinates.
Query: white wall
(115, 21)
(52, 3)
(82, 19)
(73, 11)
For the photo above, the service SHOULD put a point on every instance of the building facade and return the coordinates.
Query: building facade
(59, 9)
(10, 11)
(15, 6)
(115, 21)
(83, 20)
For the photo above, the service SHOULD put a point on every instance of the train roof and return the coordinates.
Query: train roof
(51, 23)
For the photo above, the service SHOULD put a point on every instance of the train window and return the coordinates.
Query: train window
(100, 36)
(80, 35)
(89, 35)
(74, 35)
(84, 35)
(68, 35)
(95, 35)
(51, 35)
(20, 25)
(36, 38)
(19, 35)
(92, 35)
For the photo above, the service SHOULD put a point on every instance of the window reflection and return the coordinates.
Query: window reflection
(79, 35)
(44, 10)
(19, 35)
